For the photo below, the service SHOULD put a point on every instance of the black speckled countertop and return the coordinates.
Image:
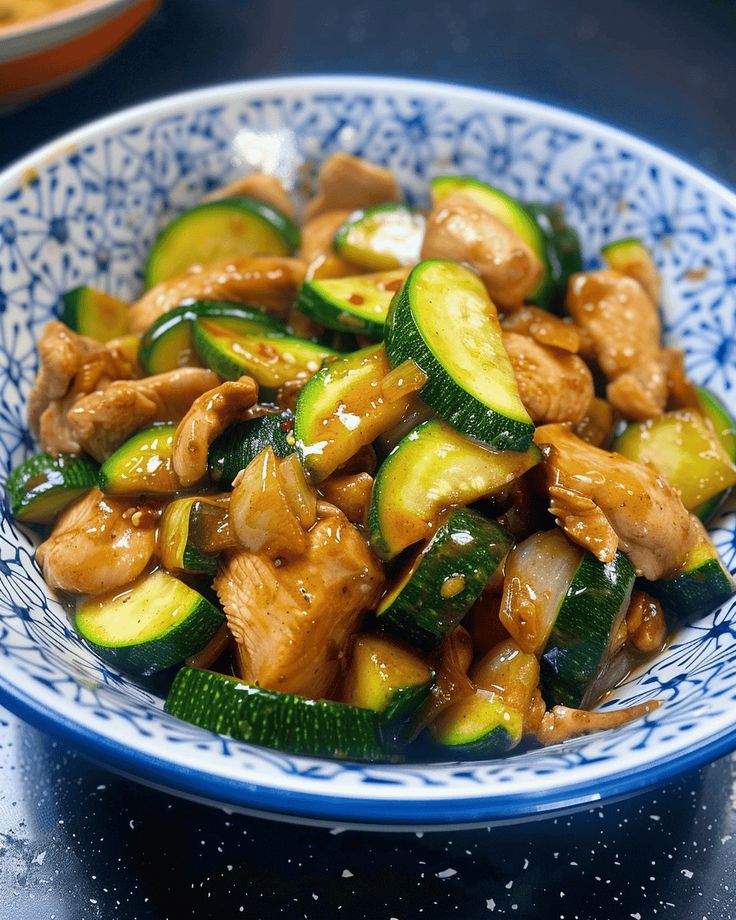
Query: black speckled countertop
(77, 842)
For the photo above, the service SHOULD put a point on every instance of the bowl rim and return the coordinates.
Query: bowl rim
(63, 16)
(347, 809)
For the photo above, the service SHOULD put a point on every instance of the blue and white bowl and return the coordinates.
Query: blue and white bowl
(85, 209)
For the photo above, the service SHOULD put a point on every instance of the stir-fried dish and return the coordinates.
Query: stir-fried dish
(391, 483)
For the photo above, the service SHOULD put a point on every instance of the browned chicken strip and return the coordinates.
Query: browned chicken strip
(292, 622)
(208, 417)
(460, 229)
(263, 186)
(544, 328)
(269, 282)
(102, 420)
(604, 502)
(347, 182)
(624, 326)
(320, 258)
(98, 544)
(554, 385)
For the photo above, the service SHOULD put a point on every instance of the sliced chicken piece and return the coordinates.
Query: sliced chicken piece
(596, 425)
(103, 420)
(98, 544)
(269, 282)
(554, 385)
(71, 365)
(272, 506)
(292, 622)
(263, 186)
(543, 327)
(604, 502)
(624, 326)
(562, 723)
(646, 627)
(208, 416)
(460, 229)
(321, 259)
(347, 182)
(681, 392)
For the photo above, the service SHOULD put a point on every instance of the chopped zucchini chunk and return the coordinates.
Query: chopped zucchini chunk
(169, 342)
(433, 468)
(95, 314)
(155, 623)
(143, 465)
(583, 640)
(232, 347)
(511, 213)
(356, 304)
(700, 587)
(318, 728)
(444, 320)
(41, 487)
(389, 678)
(223, 229)
(724, 425)
(383, 237)
(347, 405)
(445, 579)
(193, 532)
(685, 450)
(234, 449)
(564, 256)
(631, 257)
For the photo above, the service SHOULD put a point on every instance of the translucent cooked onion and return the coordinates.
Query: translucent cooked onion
(403, 380)
(538, 574)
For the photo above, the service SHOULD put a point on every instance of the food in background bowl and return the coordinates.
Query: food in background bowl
(47, 43)
(85, 213)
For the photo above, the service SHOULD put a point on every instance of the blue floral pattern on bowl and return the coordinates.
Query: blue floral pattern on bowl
(85, 209)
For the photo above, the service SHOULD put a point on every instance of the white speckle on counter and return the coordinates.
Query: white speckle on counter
(446, 873)
(490, 904)
(686, 872)
(346, 873)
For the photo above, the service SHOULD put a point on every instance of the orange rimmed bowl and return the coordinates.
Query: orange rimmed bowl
(42, 54)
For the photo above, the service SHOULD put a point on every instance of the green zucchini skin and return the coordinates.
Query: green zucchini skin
(702, 587)
(42, 486)
(449, 398)
(168, 343)
(278, 236)
(240, 443)
(316, 728)
(564, 255)
(589, 615)
(94, 313)
(725, 426)
(497, 728)
(464, 552)
(359, 238)
(191, 621)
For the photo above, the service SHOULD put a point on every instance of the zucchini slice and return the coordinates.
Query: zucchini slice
(232, 347)
(143, 465)
(444, 320)
(356, 304)
(581, 645)
(234, 449)
(631, 257)
(42, 486)
(445, 579)
(491, 721)
(95, 314)
(701, 586)
(390, 679)
(724, 425)
(383, 237)
(154, 624)
(564, 254)
(192, 533)
(223, 229)
(347, 405)
(169, 342)
(431, 469)
(511, 213)
(685, 450)
(316, 728)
